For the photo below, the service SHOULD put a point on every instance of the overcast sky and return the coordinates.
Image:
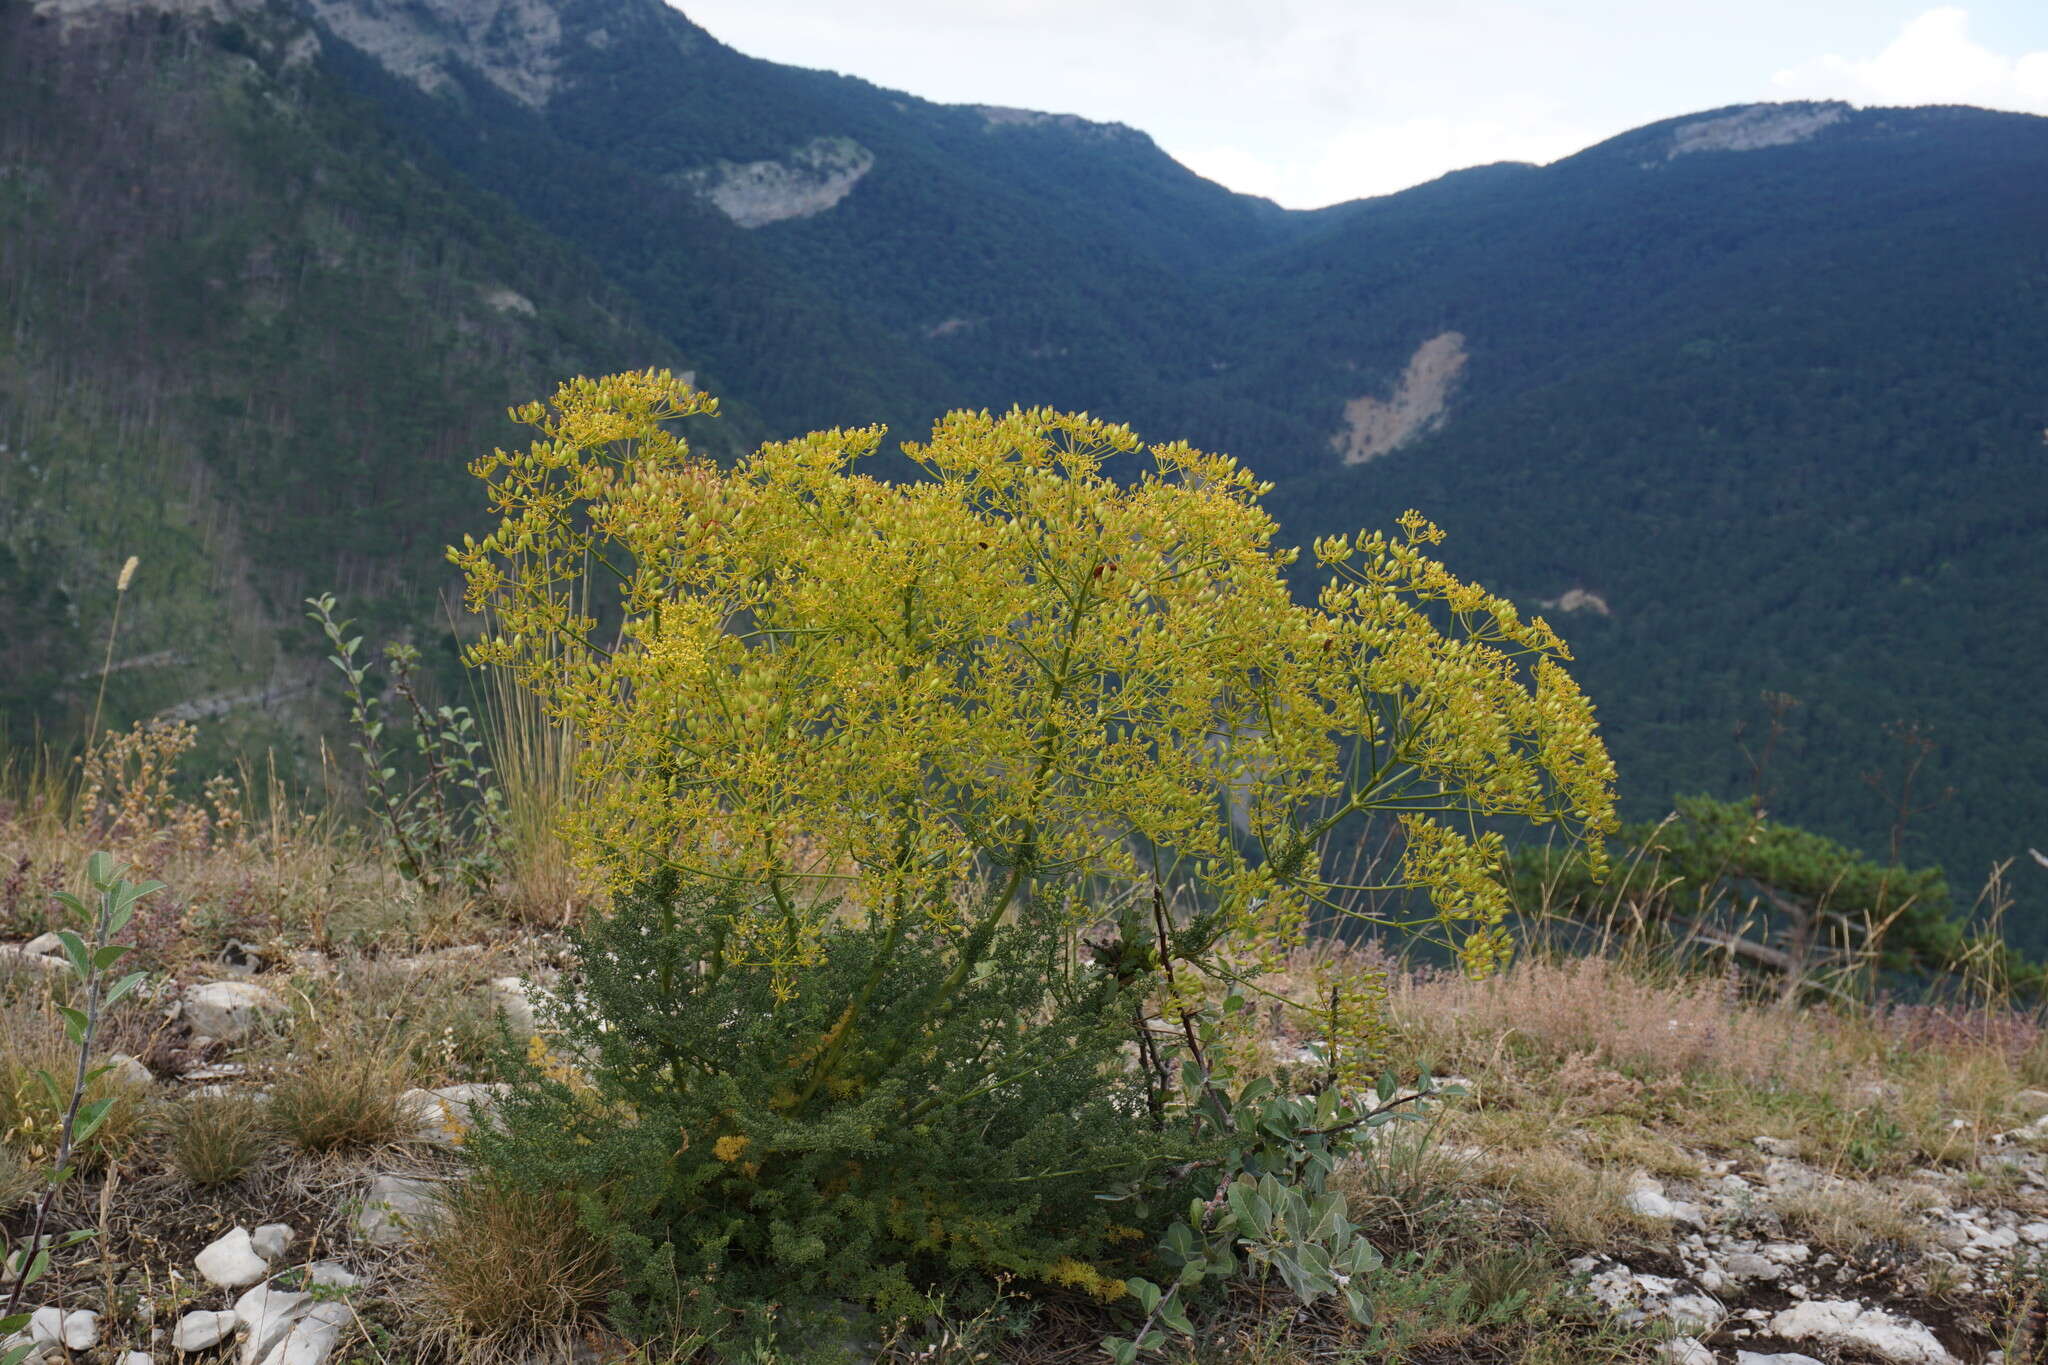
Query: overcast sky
(1311, 102)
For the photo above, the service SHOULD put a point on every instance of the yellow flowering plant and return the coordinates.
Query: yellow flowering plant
(1058, 681)
(1018, 676)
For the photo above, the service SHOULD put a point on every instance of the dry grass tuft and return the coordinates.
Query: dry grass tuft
(1583, 1208)
(339, 1104)
(1597, 1008)
(217, 1139)
(1856, 1220)
(504, 1273)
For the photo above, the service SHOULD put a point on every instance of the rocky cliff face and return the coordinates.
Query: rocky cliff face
(523, 47)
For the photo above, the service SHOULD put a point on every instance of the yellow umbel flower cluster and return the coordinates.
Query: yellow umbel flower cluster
(1017, 676)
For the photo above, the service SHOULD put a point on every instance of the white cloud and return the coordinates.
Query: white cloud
(1934, 60)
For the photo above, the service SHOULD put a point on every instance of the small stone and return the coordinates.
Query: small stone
(1647, 1197)
(137, 1358)
(332, 1275)
(312, 1339)
(393, 1205)
(442, 1116)
(21, 1253)
(1696, 1312)
(49, 945)
(201, 1330)
(81, 1330)
(2031, 1101)
(268, 1313)
(1782, 1358)
(130, 1070)
(2037, 1131)
(1775, 1146)
(229, 1010)
(271, 1240)
(1748, 1265)
(231, 1262)
(513, 999)
(1685, 1351)
(13, 955)
(46, 1324)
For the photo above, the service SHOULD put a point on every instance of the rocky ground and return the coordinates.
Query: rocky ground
(1754, 1253)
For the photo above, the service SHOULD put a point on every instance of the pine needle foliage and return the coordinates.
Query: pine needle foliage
(958, 1144)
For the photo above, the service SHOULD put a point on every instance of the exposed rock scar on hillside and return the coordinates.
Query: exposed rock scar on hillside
(514, 44)
(1764, 125)
(1576, 599)
(806, 182)
(1374, 426)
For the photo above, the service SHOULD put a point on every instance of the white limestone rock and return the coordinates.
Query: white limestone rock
(268, 1314)
(14, 955)
(393, 1206)
(203, 1330)
(312, 1338)
(1647, 1197)
(1851, 1326)
(130, 1071)
(514, 999)
(271, 1240)
(81, 1330)
(444, 1115)
(332, 1275)
(229, 1010)
(231, 1262)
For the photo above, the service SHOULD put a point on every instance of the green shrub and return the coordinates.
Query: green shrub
(938, 815)
(974, 1141)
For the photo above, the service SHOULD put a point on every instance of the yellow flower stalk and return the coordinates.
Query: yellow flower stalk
(1064, 665)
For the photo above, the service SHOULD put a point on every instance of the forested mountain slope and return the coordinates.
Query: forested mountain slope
(1749, 400)
(248, 340)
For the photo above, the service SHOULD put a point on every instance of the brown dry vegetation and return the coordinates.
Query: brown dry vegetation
(1582, 1074)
